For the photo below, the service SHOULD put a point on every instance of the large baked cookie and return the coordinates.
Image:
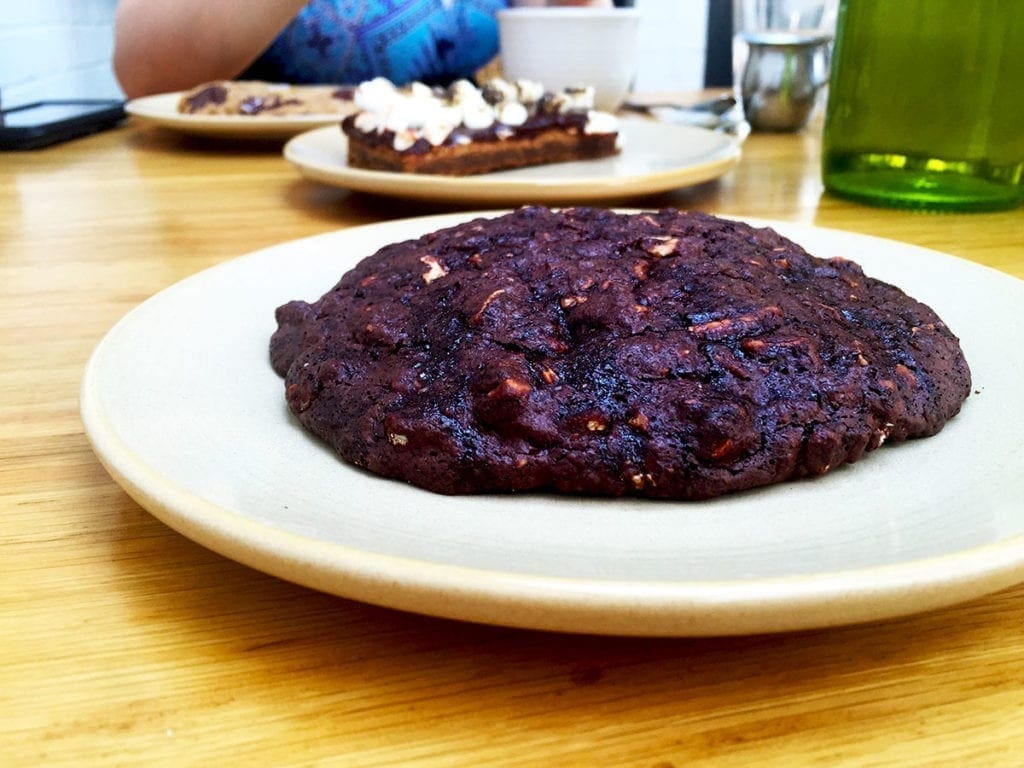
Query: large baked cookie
(258, 98)
(661, 354)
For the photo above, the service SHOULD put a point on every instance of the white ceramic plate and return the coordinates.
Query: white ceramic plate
(656, 157)
(162, 110)
(183, 409)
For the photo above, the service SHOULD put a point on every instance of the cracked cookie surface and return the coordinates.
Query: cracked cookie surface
(664, 354)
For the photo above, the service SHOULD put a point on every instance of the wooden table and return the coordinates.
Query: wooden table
(123, 643)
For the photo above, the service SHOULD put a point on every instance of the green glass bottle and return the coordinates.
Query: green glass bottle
(926, 104)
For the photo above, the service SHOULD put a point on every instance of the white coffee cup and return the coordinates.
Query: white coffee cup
(565, 47)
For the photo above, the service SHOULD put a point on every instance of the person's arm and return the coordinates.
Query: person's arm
(170, 45)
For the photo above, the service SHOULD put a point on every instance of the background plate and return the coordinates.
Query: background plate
(656, 157)
(162, 110)
(183, 409)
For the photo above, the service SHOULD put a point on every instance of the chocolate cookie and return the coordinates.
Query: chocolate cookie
(255, 97)
(662, 354)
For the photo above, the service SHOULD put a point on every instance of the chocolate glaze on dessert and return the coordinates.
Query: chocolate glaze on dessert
(535, 124)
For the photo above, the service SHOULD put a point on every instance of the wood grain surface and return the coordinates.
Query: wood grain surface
(123, 643)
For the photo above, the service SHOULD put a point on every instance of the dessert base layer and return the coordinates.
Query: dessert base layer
(554, 146)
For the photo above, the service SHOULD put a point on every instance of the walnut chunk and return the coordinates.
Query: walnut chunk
(510, 387)
(483, 307)
(639, 421)
(750, 324)
(435, 269)
(571, 301)
(879, 436)
(664, 247)
(710, 327)
(396, 439)
(549, 376)
(723, 450)
(641, 480)
(906, 374)
(584, 283)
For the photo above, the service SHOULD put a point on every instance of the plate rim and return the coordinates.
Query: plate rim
(639, 607)
(493, 188)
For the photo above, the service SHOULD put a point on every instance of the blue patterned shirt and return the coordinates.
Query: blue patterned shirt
(348, 41)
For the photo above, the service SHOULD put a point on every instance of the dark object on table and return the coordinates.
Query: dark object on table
(43, 123)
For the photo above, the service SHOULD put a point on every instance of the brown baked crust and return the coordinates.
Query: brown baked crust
(556, 144)
(664, 354)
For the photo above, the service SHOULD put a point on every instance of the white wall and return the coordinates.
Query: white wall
(672, 42)
(62, 48)
(56, 49)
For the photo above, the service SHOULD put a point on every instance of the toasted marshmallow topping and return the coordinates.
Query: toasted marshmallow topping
(418, 111)
(600, 122)
(513, 113)
(374, 95)
(530, 92)
(477, 116)
(578, 99)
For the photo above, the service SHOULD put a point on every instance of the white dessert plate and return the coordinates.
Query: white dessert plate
(162, 109)
(655, 157)
(183, 409)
